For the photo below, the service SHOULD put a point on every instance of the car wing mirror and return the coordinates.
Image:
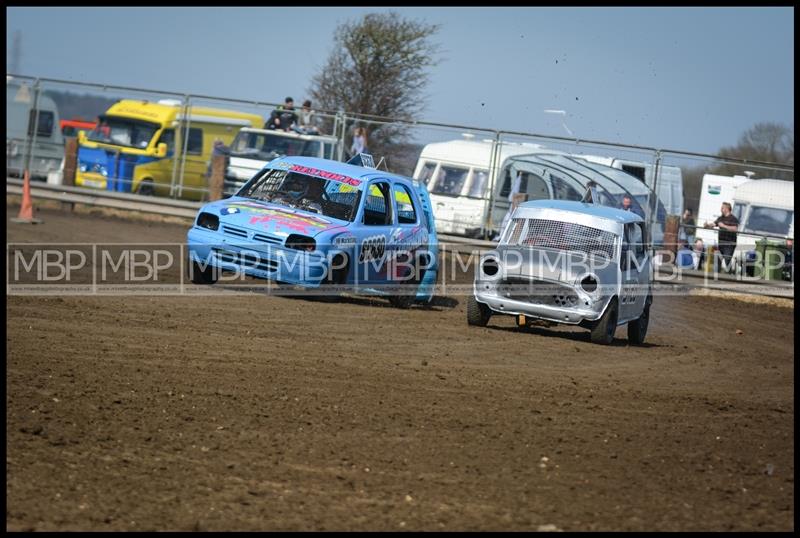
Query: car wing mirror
(161, 149)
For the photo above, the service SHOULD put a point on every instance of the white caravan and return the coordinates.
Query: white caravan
(670, 179)
(47, 153)
(763, 207)
(457, 175)
(715, 190)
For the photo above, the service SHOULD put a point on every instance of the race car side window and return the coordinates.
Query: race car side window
(377, 210)
(404, 204)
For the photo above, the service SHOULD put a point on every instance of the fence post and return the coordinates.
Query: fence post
(654, 212)
(217, 178)
(31, 139)
(492, 179)
(70, 166)
(341, 122)
(178, 131)
(188, 120)
(70, 161)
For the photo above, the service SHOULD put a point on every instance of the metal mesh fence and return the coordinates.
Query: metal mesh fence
(162, 143)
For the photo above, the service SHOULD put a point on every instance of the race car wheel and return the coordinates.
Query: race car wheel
(199, 275)
(402, 301)
(409, 291)
(637, 329)
(604, 329)
(478, 314)
(333, 284)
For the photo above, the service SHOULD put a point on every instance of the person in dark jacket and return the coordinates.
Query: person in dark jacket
(282, 117)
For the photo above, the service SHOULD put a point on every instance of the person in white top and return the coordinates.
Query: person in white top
(359, 141)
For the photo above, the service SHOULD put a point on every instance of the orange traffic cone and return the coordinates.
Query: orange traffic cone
(26, 209)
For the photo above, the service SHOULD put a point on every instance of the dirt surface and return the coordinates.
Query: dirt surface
(248, 412)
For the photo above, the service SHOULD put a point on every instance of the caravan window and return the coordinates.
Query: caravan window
(478, 186)
(769, 220)
(45, 125)
(738, 211)
(636, 171)
(426, 173)
(450, 180)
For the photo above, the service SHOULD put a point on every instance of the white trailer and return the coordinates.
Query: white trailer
(715, 190)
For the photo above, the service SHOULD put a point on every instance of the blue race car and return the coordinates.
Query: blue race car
(322, 225)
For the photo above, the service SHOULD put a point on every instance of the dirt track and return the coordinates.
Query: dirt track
(261, 412)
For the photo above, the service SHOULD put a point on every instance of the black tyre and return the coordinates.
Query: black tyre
(331, 287)
(637, 329)
(408, 289)
(146, 188)
(478, 314)
(606, 326)
(199, 275)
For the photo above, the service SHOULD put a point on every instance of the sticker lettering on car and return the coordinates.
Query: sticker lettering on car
(372, 248)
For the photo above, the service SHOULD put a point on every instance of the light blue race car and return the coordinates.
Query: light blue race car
(323, 225)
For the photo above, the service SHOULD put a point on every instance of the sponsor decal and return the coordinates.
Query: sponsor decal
(714, 189)
(286, 218)
(316, 172)
(345, 241)
(229, 210)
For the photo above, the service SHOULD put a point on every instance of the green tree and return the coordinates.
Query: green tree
(765, 141)
(378, 66)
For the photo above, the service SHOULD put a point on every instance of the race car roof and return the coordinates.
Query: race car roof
(596, 210)
(335, 167)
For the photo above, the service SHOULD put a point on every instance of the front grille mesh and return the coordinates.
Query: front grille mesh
(561, 235)
(539, 292)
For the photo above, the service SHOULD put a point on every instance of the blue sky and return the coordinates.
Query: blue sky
(676, 78)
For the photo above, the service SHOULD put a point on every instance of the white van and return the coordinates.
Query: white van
(48, 150)
(763, 207)
(670, 181)
(714, 190)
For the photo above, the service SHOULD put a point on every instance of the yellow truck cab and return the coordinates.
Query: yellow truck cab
(137, 147)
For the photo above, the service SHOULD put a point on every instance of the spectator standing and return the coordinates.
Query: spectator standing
(359, 141)
(687, 226)
(727, 225)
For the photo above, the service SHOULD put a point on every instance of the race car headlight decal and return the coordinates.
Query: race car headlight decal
(207, 220)
(301, 242)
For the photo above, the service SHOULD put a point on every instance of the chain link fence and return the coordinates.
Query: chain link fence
(195, 147)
